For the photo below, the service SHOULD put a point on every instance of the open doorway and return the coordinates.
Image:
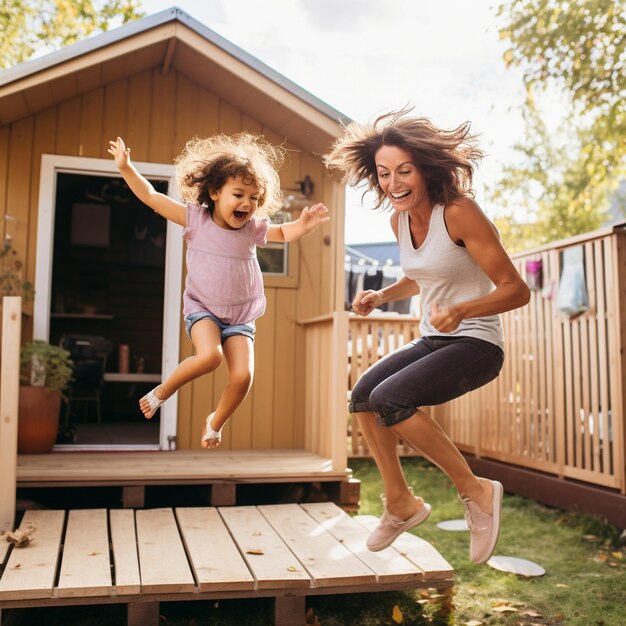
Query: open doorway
(107, 285)
(114, 269)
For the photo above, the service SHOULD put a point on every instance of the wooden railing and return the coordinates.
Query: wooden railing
(558, 405)
(369, 339)
(326, 380)
(9, 390)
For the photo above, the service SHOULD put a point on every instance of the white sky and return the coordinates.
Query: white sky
(364, 57)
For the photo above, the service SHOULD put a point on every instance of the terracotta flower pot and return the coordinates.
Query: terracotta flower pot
(38, 420)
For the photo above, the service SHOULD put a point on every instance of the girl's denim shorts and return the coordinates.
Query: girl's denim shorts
(428, 371)
(226, 330)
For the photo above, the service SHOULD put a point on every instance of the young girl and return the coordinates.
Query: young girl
(230, 186)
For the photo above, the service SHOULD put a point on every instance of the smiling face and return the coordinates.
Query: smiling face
(235, 203)
(400, 179)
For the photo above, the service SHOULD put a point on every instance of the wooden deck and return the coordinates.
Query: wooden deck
(222, 469)
(143, 557)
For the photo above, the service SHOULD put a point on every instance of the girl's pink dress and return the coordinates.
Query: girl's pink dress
(223, 273)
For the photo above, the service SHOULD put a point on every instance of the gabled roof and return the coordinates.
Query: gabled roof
(171, 39)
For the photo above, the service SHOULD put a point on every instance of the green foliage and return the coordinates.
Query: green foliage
(54, 365)
(11, 282)
(28, 26)
(565, 178)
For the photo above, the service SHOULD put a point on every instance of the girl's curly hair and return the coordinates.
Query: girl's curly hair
(204, 165)
(446, 158)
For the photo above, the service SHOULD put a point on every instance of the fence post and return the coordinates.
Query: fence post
(9, 393)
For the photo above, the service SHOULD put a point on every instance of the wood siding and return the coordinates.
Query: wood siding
(156, 113)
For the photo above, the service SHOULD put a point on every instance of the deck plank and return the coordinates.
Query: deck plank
(162, 559)
(30, 571)
(124, 549)
(388, 565)
(417, 550)
(326, 559)
(170, 467)
(276, 566)
(85, 563)
(216, 560)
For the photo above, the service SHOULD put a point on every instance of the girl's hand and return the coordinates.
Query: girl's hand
(366, 301)
(312, 217)
(120, 153)
(445, 318)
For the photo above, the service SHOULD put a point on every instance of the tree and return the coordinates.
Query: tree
(566, 176)
(29, 26)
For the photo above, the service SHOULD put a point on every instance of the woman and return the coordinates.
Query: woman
(452, 256)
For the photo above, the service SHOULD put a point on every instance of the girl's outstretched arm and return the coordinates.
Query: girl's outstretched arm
(164, 205)
(309, 220)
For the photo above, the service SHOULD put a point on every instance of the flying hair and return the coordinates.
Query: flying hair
(446, 158)
(204, 166)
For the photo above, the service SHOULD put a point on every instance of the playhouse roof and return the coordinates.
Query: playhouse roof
(171, 39)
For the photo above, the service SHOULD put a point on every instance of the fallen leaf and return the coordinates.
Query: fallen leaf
(17, 566)
(291, 568)
(94, 553)
(504, 609)
(562, 586)
(257, 533)
(473, 622)
(590, 537)
(396, 615)
(617, 555)
(19, 537)
(531, 614)
(254, 551)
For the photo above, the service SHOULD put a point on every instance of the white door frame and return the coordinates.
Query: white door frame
(51, 165)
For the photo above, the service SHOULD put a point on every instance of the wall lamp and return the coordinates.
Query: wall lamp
(297, 201)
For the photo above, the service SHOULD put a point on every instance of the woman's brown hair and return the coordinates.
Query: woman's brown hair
(446, 158)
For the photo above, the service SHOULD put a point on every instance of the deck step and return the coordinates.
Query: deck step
(285, 551)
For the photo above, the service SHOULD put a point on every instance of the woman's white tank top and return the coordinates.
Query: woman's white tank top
(446, 274)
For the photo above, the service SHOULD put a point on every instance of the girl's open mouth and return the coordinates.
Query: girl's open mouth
(240, 215)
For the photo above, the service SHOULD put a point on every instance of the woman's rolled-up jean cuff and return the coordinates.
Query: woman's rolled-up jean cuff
(426, 372)
(390, 419)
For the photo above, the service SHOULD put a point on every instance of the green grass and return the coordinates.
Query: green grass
(584, 584)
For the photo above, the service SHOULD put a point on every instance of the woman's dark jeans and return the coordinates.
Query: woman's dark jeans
(427, 371)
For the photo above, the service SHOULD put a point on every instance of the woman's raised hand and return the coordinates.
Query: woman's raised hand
(119, 151)
(366, 301)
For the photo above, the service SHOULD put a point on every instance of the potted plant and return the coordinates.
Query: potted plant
(45, 371)
(11, 282)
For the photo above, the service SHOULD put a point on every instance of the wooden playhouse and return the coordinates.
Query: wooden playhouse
(102, 265)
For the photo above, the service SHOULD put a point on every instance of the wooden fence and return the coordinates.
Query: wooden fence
(558, 405)
(369, 339)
